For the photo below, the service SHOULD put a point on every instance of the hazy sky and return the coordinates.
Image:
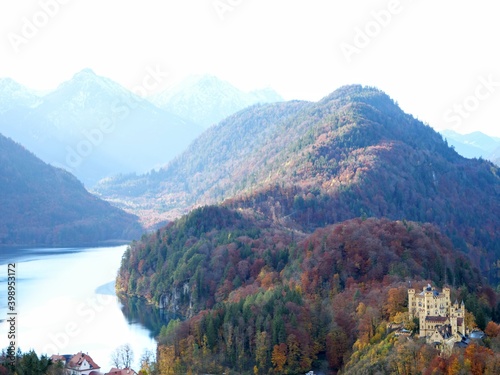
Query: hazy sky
(440, 60)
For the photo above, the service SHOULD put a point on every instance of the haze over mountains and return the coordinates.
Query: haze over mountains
(206, 100)
(474, 145)
(94, 128)
(91, 126)
(14, 97)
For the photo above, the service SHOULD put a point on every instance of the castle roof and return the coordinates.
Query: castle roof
(436, 319)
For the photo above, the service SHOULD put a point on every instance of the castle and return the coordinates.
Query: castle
(440, 321)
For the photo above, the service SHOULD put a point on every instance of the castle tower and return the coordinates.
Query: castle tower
(447, 298)
(453, 323)
(428, 299)
(412, 304)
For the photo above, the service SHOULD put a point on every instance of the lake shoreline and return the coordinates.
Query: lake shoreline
(107, 243)
(72, 288)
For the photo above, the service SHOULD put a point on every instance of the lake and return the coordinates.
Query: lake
(66, 303)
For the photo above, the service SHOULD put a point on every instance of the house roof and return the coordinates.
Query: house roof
(125, 371)
(77, 360)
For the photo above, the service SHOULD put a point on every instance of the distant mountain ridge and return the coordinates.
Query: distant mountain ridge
(206, 99)
(14, 95)
(93, 127)
(474, 145)
(43, 205)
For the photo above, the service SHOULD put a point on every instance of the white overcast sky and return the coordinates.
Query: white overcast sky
(440, 60)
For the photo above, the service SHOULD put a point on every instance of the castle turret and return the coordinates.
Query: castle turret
(446, 292)
(412, 303)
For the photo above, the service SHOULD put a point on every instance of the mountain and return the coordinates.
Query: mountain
(474, 145)
(44, 205)
(326, 214)
(93, 127)
(14, 96)
(206, 100)
(312, 164)
(216, 165)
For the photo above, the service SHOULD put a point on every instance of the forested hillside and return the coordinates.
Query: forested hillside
(258, 297)
(308, 165)
(43, 205)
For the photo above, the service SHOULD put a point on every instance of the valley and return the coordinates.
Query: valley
(285, 237)
(249, 188)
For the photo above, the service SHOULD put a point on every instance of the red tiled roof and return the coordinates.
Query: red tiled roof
(77, 360)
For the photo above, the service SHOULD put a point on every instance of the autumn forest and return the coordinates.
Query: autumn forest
(301, 257)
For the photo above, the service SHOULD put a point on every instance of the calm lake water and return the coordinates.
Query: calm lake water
(66, 303)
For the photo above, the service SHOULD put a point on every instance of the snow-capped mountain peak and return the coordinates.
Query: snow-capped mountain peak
(206, 99)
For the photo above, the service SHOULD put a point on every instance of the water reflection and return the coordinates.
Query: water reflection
(137, 311)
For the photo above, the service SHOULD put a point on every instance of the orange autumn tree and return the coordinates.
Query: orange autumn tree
(476, 357)
(492, 329)
(279, 356)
